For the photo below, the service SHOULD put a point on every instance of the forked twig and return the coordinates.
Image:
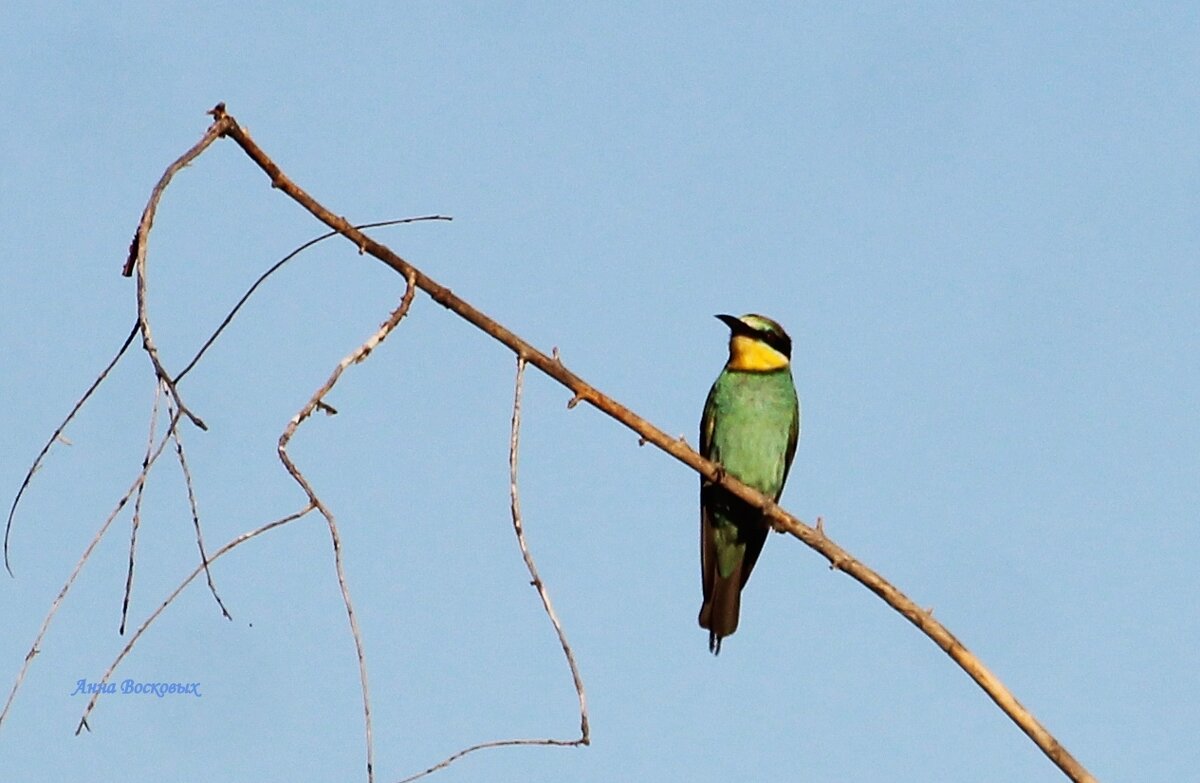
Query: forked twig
(543, 594)
(313, 404)
(229, 546)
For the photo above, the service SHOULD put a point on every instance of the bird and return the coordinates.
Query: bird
(750, 427)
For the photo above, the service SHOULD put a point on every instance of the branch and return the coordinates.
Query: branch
(225, 125)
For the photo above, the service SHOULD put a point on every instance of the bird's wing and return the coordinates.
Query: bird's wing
(793, 439)
(708, 547)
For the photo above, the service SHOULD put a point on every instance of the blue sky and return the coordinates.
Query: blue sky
(980, 225)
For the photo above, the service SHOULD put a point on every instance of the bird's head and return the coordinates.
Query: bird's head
(756, 343)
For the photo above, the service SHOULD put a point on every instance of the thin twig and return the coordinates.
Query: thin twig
(229, 546)
(315, 402)
(177, 437)
(710, 471)
(275, 267)
(543, 593)
(87, 553)
(37, 462)
(136, 522)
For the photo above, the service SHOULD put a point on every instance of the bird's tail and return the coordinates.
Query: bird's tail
(719, 614)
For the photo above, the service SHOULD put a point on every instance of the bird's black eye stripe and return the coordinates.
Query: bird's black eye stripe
(777, 340)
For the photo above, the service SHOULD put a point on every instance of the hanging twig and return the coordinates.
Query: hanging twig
(136, 521)
(181, 455)
(543, 594)
(148, 462)
(136, 261)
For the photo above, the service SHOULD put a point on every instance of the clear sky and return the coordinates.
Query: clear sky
(980, 225)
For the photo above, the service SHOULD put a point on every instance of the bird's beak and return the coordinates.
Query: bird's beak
(732, 321)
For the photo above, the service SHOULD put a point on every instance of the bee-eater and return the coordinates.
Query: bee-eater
(750, 426)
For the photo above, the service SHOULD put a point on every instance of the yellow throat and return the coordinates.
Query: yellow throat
(749, 355)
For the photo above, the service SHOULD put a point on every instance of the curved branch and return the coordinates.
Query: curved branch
(315, 403)
(37, 462)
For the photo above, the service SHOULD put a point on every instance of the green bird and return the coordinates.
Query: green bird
(750, 426)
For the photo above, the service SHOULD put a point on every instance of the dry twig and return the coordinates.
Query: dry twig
(136, 521)
(543, 594)
(314, 403)
(181, 455)
(173, 435)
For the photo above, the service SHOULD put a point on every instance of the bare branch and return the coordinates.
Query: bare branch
(543, 593)
(136, 261)
(57, 435)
